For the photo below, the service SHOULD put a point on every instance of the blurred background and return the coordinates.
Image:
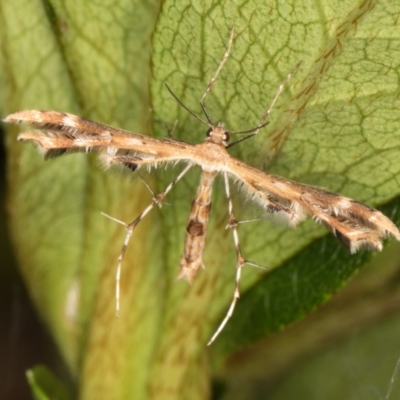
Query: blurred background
(24, 340)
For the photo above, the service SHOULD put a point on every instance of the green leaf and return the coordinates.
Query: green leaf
(336, 125)
(44, 385)
(290, 293)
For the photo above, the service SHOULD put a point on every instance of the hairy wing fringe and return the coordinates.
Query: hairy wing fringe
(134, 162)
(356, 225)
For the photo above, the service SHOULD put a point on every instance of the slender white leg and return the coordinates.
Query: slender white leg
(157, 201)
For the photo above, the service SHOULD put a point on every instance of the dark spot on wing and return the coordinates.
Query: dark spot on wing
(131, 166)
(195, 228)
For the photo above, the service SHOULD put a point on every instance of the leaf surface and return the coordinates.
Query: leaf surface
(336, 125)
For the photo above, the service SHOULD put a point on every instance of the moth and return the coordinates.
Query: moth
(356, 225)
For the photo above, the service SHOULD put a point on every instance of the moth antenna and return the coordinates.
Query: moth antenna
(186, 108)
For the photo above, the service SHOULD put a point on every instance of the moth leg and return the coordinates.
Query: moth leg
(157, 201)
(277, 94)
(262, 122)
(170, 131)
(241, 262)
(213, 79)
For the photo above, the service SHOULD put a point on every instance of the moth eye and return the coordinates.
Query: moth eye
(209, 132)
(226, 137)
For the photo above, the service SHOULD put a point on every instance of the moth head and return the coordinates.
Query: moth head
(218, 135)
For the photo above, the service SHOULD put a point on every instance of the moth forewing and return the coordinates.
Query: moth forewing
(57, 130)
(355, 224)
